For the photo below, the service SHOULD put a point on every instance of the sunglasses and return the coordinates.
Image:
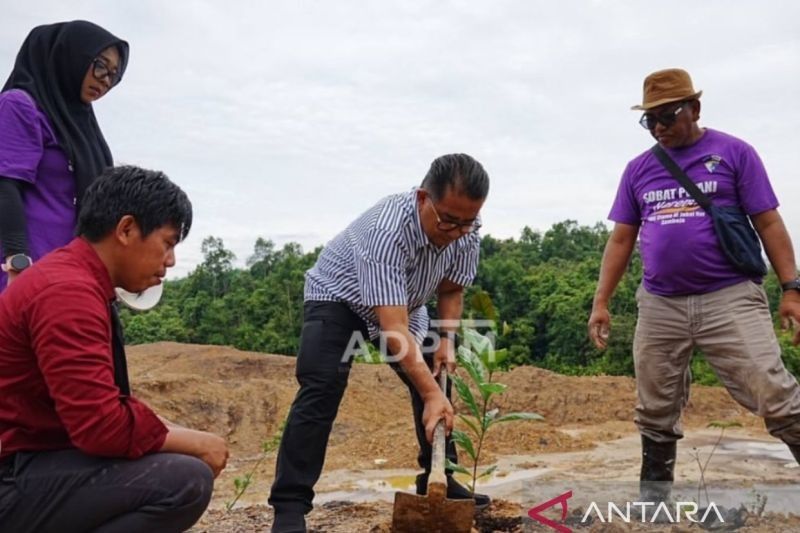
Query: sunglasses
(667, 118)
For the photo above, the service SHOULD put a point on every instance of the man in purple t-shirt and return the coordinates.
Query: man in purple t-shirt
(691, 295)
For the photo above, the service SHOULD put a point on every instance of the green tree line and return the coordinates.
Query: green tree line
(541, 284)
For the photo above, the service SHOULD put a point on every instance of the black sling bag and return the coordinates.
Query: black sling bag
(735, 233)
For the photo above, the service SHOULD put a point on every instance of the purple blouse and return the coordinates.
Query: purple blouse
(29, 152)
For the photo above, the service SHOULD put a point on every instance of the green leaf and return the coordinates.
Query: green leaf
(723, 424)
(456, 467)
(499, 357)
(471, 424)
(463, 440)
(507, 329)
(488, 389)
(488, 472)
(486, 353)
(519, 416)
(480, 345)
(470, 362)
(465, 394)
(482, 303)
(471, 338)
(491, 359)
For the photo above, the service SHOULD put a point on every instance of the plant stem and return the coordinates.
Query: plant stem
(702, 478)
(705, 465)
(247, 479)
(480, 444)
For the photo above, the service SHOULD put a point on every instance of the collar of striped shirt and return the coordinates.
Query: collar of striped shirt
(397, 265)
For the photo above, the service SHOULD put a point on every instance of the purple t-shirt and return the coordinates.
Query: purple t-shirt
(30, 152)
(680, 251)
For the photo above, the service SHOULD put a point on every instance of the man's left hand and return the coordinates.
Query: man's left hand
(789, 311)
(11, 275)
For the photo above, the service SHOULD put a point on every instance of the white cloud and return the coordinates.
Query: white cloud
(287, 119)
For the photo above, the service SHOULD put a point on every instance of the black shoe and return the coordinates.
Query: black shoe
(455, 491)
(289, 523)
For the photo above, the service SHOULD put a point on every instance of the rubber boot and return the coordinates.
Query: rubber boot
(795, 449)
(658, 470)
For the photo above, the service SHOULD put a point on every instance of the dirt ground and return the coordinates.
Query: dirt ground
(587, 438)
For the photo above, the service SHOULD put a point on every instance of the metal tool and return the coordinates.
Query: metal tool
(433, 512)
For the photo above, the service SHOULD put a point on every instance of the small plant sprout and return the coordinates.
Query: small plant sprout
(477, 355)
(722, 425)
(241, 483)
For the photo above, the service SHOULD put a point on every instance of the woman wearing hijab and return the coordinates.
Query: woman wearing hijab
(51, 150)
(51, 147)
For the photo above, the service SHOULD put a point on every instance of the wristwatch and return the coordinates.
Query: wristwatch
(791, 285)
(17, 263)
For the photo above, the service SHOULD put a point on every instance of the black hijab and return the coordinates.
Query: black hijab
(51, 66)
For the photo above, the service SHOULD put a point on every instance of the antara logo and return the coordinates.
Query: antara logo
(653, 512)
(534, 513)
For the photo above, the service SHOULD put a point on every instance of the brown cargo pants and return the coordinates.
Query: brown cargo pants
(733, 328)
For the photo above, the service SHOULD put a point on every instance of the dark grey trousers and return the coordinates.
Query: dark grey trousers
(322, 373)
(68, 491)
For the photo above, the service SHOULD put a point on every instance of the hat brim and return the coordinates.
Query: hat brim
(656, 103)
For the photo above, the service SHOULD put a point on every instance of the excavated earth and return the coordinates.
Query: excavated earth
(586, 439)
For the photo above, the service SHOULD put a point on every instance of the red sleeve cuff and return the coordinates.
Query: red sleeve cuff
(149, 432)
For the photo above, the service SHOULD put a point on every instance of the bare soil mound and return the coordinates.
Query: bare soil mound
(245, 396)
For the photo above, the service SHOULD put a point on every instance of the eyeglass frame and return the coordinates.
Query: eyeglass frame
(99, 64)
(667, 119)
(447, 227)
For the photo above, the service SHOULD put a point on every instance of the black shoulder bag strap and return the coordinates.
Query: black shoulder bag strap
(737, 238)
(681, 177)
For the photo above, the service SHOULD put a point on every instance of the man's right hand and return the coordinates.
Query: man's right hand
(600, 326)
(209, 448)
(437, 407)
(215, 453)
(616, 256)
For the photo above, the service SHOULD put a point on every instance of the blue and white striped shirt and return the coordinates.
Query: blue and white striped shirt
(385, 258)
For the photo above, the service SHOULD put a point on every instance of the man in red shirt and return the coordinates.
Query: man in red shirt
(77, 451)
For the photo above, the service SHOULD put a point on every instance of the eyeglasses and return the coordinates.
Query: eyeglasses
(668, 118)
(100, 70)
(464, 227)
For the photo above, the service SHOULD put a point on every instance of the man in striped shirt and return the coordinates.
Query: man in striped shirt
(372, 281)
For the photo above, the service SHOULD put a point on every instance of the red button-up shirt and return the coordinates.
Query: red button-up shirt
(57, 385)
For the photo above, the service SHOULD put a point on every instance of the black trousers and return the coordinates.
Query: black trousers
(67, 491)
(322, 371)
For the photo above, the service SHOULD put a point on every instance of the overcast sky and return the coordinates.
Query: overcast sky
(286, 120)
